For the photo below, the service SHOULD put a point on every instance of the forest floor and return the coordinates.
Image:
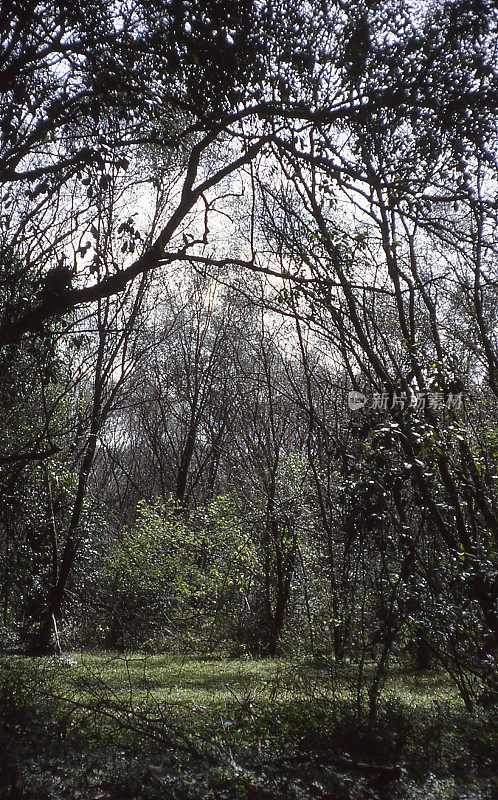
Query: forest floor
(109, 727)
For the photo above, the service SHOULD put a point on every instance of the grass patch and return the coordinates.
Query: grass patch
(86, 724)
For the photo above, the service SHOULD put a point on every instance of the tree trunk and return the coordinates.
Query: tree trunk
(422, 654)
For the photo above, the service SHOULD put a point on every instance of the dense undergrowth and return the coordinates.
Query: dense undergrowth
(160, 727)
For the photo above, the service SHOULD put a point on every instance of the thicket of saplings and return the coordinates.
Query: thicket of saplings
(232, 578)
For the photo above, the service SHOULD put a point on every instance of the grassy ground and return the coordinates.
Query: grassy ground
(214, 681)
(96, 726)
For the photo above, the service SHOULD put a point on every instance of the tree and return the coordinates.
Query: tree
(90, 83)
(366, 207)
